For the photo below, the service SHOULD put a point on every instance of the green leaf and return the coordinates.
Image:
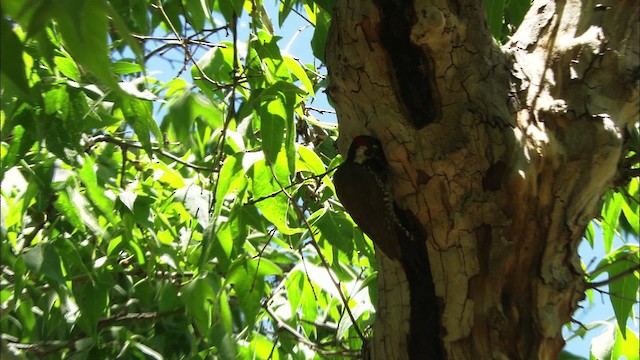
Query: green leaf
(333, 227)
(272, 126)
(64, 204)
(216, 64)
(319, 40)
(70, 117)
(622, 296)
(92, 299)
(297, 70)
(86, 211)
(261, 347)
(265, 20)
(224, 245)
(128, 198)
(232, 177)
(230, 8)
(310, 161)
(285, 8)
(125, 67)
(94, 191)
(249, 286)
(197, 11)
(225, 315)
(199, 298)
(43, 259)
(186, 110)
(516, 10)
(168, 174)
(589, 234)
(168, 298)
(13, 68)
(67, 67)
(266, 46)
(626, 347)
(610, 215)
(142, 211)
(275, 205)
(495, 15)
(21, 143)
(83, 25)
(309, 308)
(139, 114)
(197, 202)
(73, 262)
(39, 187)
(138, 12)
(630, 208)
(295, 285)
(622, 291)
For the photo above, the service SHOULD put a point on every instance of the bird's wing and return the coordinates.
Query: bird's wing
(366, 204)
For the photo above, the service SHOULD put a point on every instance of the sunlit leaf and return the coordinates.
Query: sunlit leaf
(610, 215)
(267, 184)
(197, 201)
(621, 265)
(67, 67)
(297, 70)
(626, 346)
(95, 192)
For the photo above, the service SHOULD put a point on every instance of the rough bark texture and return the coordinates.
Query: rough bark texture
(501, 152)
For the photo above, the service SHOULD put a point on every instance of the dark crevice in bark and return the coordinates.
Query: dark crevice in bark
(412, 68)
(425, 341)
(495, 176)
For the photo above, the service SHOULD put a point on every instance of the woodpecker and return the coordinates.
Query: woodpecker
(361, 186)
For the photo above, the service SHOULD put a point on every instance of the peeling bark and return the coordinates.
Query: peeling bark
(502, 153)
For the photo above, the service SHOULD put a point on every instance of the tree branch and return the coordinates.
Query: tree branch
(156, 149)
(593, 285)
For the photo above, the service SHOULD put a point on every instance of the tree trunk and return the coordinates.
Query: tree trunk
(502, 153)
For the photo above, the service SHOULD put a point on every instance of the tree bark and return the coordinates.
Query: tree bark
(502, 153)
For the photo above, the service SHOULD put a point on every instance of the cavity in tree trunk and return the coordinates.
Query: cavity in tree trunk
(501, 152)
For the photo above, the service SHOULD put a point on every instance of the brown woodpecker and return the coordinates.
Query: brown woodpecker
(361, 187)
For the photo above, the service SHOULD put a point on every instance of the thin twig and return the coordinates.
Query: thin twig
(137, 145)
(275, 193)
(315, 245)
(281, 325)
(593, 285)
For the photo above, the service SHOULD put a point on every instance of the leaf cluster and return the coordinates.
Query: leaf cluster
(182, 218)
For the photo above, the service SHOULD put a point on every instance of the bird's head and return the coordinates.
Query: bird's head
(367, 150)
